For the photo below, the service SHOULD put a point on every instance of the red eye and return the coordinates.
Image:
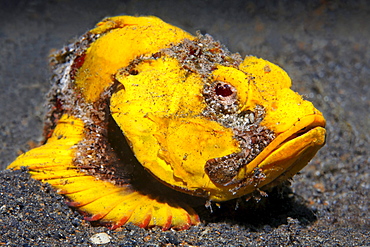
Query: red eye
(223, 90)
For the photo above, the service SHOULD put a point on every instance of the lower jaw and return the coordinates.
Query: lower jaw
(277, 166)
(294, 168)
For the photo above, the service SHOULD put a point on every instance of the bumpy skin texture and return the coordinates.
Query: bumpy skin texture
(136, 101)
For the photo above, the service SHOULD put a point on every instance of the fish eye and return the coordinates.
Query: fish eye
(223, 90)
(221, 97)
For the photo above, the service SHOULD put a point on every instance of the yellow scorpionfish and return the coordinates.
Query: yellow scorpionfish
(143, 115)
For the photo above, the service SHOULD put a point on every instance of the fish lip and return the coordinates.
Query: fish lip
(317, 121)
(309, 124)
(308, 152)
(300, 129)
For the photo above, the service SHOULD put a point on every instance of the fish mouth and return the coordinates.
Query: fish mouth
(290, 151)
(286, 155)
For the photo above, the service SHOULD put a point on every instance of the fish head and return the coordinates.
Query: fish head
(217, 130)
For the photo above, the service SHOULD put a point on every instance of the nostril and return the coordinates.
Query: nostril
(133, 72)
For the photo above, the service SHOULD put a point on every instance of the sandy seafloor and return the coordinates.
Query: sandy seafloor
(324, 47)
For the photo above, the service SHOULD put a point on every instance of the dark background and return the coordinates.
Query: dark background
(324, 47)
